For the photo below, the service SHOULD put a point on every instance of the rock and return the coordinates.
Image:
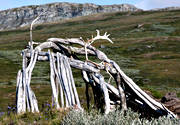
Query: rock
(168, 97)
(23, 16)
(166, 9)
(172, 102)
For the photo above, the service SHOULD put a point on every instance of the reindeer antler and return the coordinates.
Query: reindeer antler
(105, 37)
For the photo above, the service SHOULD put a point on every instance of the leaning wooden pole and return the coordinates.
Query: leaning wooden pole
(73, 84)
(52, 77)
(60, 81)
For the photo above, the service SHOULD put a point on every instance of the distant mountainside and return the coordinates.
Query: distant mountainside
(166, 9)
(23, 16)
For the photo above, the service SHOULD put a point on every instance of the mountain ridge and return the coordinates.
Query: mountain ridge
(23, 16)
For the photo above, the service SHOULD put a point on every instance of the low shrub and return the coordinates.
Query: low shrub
(113, 118)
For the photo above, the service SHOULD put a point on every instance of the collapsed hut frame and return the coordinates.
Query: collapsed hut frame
(62, 58)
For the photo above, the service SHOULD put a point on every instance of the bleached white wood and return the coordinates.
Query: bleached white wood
(55, 98)
(27, 99)
(31, 27)
(121, 91)
(73, 62)
(65, 81)
(60, 81)
(18, 79)
(64, 86)
(31, 95)
(75, 91)
(105, 91)
(24, 82)
(31, 99)
(56, 76)
(69, 81)
(73, 84)
(34, 102)
(31, 55)
(19, 95)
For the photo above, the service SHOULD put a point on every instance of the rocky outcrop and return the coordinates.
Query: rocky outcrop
(23, 16)
(166, 9)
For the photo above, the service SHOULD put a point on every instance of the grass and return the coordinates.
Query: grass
(74, 117)
(47, 116)
(150, 55)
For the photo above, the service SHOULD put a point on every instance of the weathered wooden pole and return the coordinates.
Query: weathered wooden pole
(52, 77)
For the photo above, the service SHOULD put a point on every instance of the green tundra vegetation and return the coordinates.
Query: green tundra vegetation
(146, 46)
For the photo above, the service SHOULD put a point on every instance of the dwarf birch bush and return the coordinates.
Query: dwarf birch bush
(113, 118)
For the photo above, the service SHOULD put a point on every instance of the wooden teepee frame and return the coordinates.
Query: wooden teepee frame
(126, 93)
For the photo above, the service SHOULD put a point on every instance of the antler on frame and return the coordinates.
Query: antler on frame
(105, 37)
(89, 42)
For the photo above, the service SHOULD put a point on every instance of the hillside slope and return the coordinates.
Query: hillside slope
(146, 46)
(23, 16)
